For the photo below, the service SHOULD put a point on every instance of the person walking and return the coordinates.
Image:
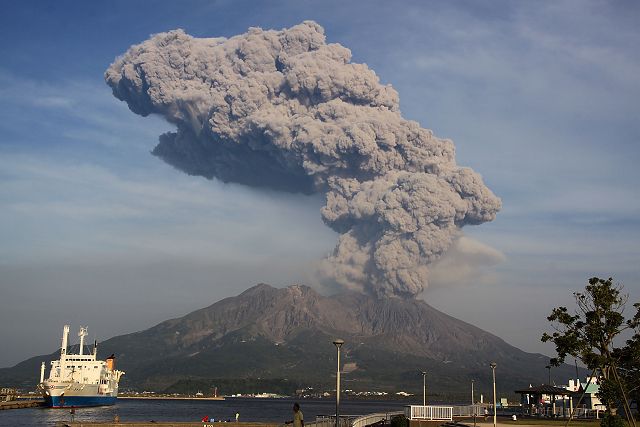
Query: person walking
(237, 415)
(72, 411)
(298, 420)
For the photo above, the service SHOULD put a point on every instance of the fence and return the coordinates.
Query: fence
(374, 418)
(352, 420)
(444, 413)
(470, 410)
(330, 421)
(544, 412)
(560, 412)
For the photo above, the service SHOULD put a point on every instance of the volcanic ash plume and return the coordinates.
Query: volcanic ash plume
(285, 110)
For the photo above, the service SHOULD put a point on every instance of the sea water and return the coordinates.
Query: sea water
(249, 410)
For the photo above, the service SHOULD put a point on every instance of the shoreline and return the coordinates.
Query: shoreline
(171, 397)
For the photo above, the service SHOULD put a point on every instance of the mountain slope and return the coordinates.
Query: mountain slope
(268, 333)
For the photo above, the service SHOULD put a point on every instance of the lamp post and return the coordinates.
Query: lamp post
(493, 368)
(472, 392)
(473, 407)
(338, 344)
(424, 389)
(549, 368)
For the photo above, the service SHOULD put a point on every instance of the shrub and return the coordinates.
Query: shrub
(401, 421)
(612, 421)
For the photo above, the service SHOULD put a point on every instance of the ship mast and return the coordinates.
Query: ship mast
(82, 334)
(63, 351)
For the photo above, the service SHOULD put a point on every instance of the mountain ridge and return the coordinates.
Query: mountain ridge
(266, 332)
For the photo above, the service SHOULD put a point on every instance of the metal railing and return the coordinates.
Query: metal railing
(470, 410)
(560, 412)
(444, 413)
(330, 421)
(543, 412)
(439, 413)
(352, 420)
(374, 418)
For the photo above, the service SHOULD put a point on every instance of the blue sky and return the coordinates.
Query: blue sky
(540, 98)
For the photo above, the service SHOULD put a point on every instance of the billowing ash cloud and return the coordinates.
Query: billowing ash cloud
(285, 110)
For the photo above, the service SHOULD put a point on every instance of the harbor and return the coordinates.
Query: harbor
(180, 411)
(253, 412)
(502, 422)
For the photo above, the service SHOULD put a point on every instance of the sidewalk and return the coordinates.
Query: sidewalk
(503, 421)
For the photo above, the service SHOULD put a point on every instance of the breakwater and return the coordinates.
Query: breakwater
(19, 404)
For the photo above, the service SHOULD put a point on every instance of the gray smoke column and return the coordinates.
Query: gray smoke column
(285, 110)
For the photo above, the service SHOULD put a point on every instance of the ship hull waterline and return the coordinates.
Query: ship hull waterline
(78, 401)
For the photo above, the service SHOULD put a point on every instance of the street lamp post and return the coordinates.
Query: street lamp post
(472, 392)
(493, 368)
(549, 368)
(424, 389)
(473, 408)
(338, 344)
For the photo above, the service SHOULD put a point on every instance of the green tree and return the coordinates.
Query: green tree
(628, 368)
(589, 336)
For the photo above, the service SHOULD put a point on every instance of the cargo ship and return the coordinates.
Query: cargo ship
(77, 380)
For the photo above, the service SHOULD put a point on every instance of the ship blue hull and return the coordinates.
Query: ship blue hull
(79, 401)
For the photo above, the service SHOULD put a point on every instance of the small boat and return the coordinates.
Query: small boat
(79, 379)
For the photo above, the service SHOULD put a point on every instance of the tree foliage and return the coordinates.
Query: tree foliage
(589, 334)
(399, 421)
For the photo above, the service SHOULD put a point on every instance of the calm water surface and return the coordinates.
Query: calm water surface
(250, 409)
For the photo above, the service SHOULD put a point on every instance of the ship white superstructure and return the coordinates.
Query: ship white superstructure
(79, 379)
